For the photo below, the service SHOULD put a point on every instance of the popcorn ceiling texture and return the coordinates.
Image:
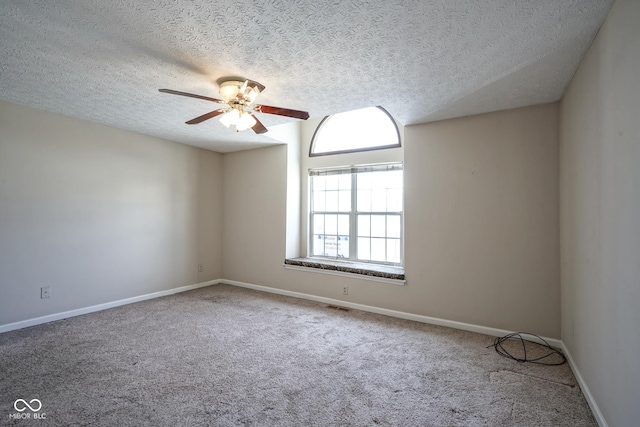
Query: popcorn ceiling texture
(104, 61)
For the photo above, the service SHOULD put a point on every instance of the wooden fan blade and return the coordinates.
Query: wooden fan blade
(204, 117)
(282, 111)
(192, 95)
(258, 127)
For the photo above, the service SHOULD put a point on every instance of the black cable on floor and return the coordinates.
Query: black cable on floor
(497, 344)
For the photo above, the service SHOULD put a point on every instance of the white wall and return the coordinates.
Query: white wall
(493, 263)
(600, 216)
(99, 214)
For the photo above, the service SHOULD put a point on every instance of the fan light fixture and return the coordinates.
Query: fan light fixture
(243, 92)
(239, 94)
(238, 109)
(238, 118)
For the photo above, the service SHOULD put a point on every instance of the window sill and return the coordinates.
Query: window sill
(356, 270)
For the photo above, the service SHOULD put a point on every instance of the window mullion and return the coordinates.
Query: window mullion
(353, 220)
(310, 240)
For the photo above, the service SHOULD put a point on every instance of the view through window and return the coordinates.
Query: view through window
(359, 130)
(356, 213)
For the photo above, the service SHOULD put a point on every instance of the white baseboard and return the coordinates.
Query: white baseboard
(77, 312)
(597, 414)
(387, 312)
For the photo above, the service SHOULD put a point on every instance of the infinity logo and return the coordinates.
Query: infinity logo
(26, 405)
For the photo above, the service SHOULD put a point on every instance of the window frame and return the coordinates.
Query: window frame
(353, 213)
(354, 150)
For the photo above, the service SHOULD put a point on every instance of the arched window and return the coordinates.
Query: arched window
(359, 130)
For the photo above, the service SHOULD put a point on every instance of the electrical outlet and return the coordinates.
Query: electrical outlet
(45, 292)
(200, 268)
(345, 290)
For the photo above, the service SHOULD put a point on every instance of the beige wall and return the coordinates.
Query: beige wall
(99, 214)
(481, 223)
(254, 238)
(482, 219)
(102, 214)
(254, 214)
(600, 216)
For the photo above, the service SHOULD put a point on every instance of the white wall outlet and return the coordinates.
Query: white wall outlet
(345, 290)
(45, 292)
(200, 268)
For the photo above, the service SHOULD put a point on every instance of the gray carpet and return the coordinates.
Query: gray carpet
(228, 356)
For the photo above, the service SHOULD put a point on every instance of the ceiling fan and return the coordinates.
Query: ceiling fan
(238, 108)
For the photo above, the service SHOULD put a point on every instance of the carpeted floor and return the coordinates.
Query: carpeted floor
(228, 356)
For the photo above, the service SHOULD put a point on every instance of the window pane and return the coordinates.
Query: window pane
(378, 250)
(364, 200)
(318, 201)
(332, 201)
(394, 200)
(364, 251)
(366, 128)
(318, 224)
(364, 180)
(343, 246)
(331, 246)
(379, 200)
(364, 225)
(393, 226)
(378, 228)
(332, 182)
(344, 200)
(343, 225)
(394, 179)
(318, 244)
(344, 182)
(318, 182)
(393, 250)
(378, 216)
(379, 179)
(331, 224)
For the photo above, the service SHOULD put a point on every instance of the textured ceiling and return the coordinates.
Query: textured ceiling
(104, 61)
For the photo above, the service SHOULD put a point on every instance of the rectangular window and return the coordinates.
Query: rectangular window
(356, 213)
